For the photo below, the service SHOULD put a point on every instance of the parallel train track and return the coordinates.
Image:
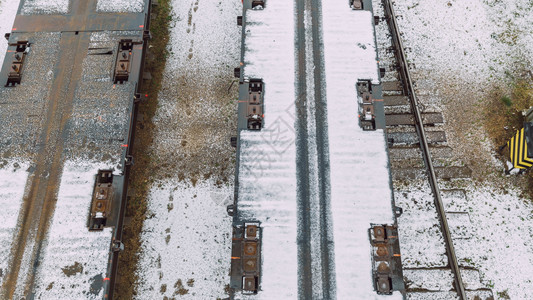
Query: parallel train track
(313, 174)
(419, 119)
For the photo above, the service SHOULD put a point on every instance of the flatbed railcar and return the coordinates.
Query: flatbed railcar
(71, 84)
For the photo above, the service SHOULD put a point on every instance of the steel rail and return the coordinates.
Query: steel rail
(322, 142)
(304, 235)
(409, 91)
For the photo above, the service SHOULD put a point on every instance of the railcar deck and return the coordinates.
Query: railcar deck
(65, 120)
(314, 179)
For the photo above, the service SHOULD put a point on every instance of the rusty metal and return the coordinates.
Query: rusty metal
(382, 251)
(246, 257)
(251, 231)
(254, 110)
(59, 58)
(386, 263)
(384, 284)
(249, 283)
(102, 198)
(379, 233)
(367, 116)
(123, 62)
(17, 63)
(356, 4)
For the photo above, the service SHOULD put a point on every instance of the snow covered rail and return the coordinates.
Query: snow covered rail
(407, 86)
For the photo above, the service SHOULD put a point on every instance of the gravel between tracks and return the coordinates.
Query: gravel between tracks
(186, 237)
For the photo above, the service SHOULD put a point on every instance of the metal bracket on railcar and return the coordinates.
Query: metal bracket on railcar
(382, 72)
(147, 35)
(258, 4)
(386, 262)
(233, 141)
(128, 160)
(356, 4)
(117, 246)
(17, 64)
(367, 117)
(246, 257)
(138, 97)
(230, 209)
(123, 62)
(254, 104)
(102, 198)
(253, 4)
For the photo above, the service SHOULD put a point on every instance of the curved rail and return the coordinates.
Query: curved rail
(409, 91)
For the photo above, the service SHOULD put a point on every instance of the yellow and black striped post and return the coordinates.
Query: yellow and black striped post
(518, 150)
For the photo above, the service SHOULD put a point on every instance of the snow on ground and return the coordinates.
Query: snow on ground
(13, 176)
(460, 59)
(267, 174)
(122, 6)
(445, 37)
(495, 236)
(433, 280)
(35, 7)
(8, 12)
(501, 246)
(74, 258)
(360, 189)
(421, 241)
(186, 242)
(186, 238)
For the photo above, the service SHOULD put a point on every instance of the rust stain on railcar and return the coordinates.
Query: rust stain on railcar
(43, 183)
(39, 205)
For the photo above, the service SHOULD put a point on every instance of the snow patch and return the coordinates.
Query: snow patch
(8, 12)
(74, 258)
(36, 7)
(186, 242)
(120, 6)
(13, 177)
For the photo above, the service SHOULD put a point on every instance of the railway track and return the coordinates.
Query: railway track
(420, 156)
(316, 278)
(404, 90)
